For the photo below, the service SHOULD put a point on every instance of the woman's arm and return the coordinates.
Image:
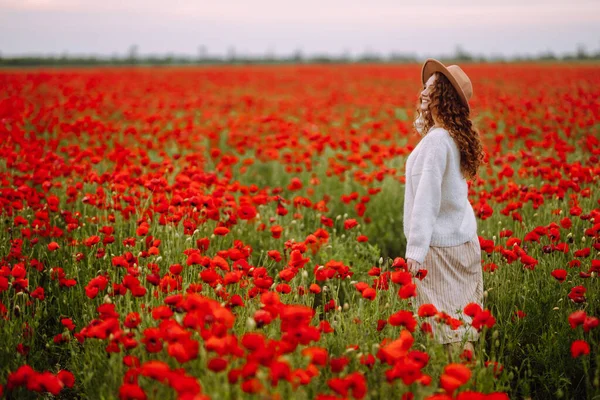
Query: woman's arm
(428, 196)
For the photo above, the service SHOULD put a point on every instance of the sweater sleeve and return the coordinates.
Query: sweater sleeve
(428, 196)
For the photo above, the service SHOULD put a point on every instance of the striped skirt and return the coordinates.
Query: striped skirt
(454, 279)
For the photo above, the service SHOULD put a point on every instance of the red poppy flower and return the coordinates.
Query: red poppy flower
(252, 386)
(161, 312)
(590, 323)
(580, 348)
(408, 291)
(577, 318)
(426, 328)
(46, 382)
(401, 277)
(96, 285)
(350, 223)
(403, 318)
(183, 350)
(153, 340)
(559, 274)
(274, 255)
(574, 264)
(566, 223)
(497, 368)
(325, 327)
(472, 309)
(314, 288)
(582, 253)
(38, 293)
(221, 231)
(276, 231)
(528, 261)
(318, 355)
(454, 376)
(400, 263)
(142, 230)
(129, 391)
(68, 323)
(295, 184)
(427, 310)
(92, 240)
(328, 222)
(66, 377)
(369, 294)
(217, 364)
(361, 286)
(421, 274)
(483, 319)
(246, 212)
(577, 294)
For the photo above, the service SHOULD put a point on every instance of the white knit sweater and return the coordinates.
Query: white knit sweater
(437, 211)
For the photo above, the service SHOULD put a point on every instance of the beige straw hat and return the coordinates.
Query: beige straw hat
(455, 75)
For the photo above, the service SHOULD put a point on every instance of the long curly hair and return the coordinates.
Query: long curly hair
(453, 115)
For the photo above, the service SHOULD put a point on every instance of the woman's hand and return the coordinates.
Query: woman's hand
(413, 266)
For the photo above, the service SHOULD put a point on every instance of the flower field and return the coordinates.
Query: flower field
(236, 232)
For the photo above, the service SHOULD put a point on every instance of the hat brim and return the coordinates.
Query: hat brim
(432, 66)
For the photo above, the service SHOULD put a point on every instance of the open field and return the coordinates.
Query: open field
(236, 232)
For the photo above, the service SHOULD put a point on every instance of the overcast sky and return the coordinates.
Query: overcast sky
(253, 27)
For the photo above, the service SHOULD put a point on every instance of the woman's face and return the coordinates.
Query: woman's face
(425, 99)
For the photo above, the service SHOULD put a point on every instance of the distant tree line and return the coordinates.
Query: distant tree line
(132, 58)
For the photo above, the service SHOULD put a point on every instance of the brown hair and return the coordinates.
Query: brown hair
(453, 114)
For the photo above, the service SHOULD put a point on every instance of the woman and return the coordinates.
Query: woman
(439, 222)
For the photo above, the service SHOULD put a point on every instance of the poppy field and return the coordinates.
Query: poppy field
(236, 232)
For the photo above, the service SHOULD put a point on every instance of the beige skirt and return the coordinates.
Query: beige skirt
(454, 279)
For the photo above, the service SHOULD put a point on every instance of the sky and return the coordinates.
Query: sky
(281, 27)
